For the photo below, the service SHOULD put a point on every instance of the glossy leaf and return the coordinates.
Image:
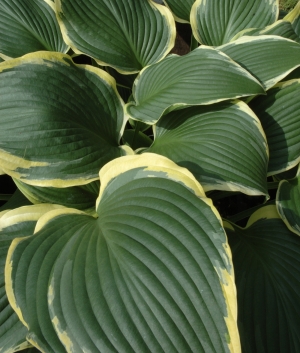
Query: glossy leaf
(28, 26)
(279, 116)
(216, 22)
(266, 258)
(180, 9)
(15, 223)
(223, 145)
(287, 202)
(268, 58)
(153, 269)
(116, 33)
(60, 122)
(204, 76)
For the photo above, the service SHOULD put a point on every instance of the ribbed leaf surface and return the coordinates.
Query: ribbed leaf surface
(204, 76)
(16, 223)
(294, 18)
(216, 22)
(60, 122)
(280, 28)
(287, 202)
(127, 35)
(78, 197)
(181, 9)
(28, 26)
(266, 258)
(223, 145)
(268, 58)
(151, 274)
(279, 116)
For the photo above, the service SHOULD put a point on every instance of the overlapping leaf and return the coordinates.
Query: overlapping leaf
(287, 201)
(151, 274)
(16, 223)
(28, 26)
(280, 28)
(223, 145)
(294, 18)
(216, 22)
(266, 258)
(81, 197)
(136, 140)
(268, 58)
(60, 122)
(181, 9)
(16, 200)
(127, 35)
(204, 76)
(279, 116)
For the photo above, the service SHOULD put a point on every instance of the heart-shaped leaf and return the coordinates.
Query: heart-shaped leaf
(29, 26)
(151, 274)
(266, 258)
(204, 76)
(67, 120)
(216, 22)
(127, 35)
(222, 144)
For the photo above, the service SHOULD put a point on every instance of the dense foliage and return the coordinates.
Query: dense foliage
(126, 153)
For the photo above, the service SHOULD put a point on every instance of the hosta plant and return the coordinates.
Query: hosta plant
(127, 157)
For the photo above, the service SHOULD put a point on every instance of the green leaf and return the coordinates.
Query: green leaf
(116, 33)
(152, 274)
(294, 74)
(279, 116)
(181, 9)
(286, 175)
(223, 145)
(74, 197)
(287, 202)
(60, 122)
(16, 200)
(16, 223)
(31, 350)
(136, 140)
(280, 28)
(204, 76)
(294, 18)
(268, 58)
(216, 22)
(266, 258)
(28, 26)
